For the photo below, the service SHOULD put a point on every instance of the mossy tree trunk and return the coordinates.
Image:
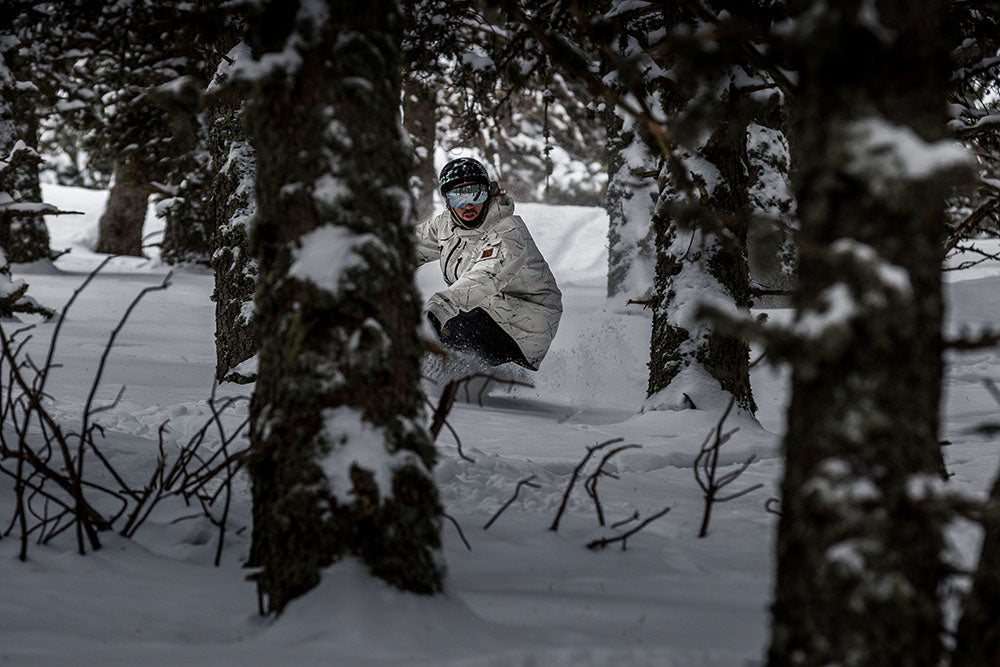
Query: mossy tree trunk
(119, 231)
(340, 458)
(859, 569)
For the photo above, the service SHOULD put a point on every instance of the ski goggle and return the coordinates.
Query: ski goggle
(464, 195)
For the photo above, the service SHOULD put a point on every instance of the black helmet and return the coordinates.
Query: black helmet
(463, 170)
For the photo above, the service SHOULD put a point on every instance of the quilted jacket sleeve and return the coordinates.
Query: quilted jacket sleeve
(501, 254)
(428, 249)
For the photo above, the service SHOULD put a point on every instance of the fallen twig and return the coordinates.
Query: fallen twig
(591, 483)
(634, 517)
(706, 465)
(459, 529)
(527, 481)
(605, 541)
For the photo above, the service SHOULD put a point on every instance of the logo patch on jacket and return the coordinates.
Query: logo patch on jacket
(489, 253)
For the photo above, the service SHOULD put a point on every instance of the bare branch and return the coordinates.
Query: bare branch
(771, 506)
(576, 473)
(527, 481)
(634, 517)
(591, 483)
(461, 534)
(605, 541)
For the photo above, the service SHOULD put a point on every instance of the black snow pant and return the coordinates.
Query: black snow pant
(476, 333)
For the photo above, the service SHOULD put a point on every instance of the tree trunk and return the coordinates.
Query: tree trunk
(119, 231)
(693, 365)
(420, 121)
(341, 458)
(859, 568)
(701, 256)
(633, 159)
(977, 641)
(233, 206)
(632, 193)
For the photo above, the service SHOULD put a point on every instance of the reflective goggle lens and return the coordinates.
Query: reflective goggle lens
(464, 195)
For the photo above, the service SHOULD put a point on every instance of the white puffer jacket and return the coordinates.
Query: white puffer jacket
(496, 267)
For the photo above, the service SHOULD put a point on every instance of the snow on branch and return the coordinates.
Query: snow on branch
(22, 155)
(882, 153)
(312, 15)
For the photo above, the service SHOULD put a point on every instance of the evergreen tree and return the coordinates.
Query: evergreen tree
(16, 203)
(859, 546)
(975, 27)
(135, 66)
(340, 461)
(187, 206)
(23, 234)
(490, 90)
(681, 73)
(702, 214)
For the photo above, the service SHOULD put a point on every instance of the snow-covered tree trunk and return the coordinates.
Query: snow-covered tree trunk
(632, 191)
(420, 120)
(23, 235)
(859, 567)
(341, 459)
(693, 365)
(119, 231)
(234, 204)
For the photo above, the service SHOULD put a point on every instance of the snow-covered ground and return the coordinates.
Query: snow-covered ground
(523, 595)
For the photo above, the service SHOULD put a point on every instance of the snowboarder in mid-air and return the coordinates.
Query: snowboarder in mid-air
(502, 303)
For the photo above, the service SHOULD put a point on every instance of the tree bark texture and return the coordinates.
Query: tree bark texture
(859, 541)
(233, 204)
(119, 231)
(338, 381)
